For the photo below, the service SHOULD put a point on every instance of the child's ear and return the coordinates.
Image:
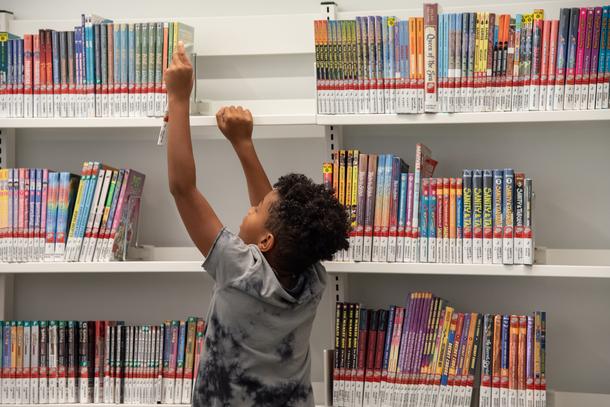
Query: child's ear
(266, 243)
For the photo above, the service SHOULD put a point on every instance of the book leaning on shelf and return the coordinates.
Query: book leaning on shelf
(100, 69)
(59, 362)
(59, 216)
(428, 354)
(464, 62)
(482, 217)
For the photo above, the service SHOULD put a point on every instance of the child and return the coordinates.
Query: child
(269, 279)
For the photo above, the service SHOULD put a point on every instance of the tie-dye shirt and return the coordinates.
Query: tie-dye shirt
(256, 349)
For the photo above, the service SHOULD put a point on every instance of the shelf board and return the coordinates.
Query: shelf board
(98, 405)
(465, 118)
(114, 267)
(148, 122)
(481, 270)
(305, 118)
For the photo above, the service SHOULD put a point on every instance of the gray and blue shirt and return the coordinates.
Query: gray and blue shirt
(256, 350)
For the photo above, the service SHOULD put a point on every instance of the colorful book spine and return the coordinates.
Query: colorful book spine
(431, 225)
(519, 217)
(528, 238)
(562, 56)
(487, 216)
(430, 56)
(394, 208)
(606, 79)
(508, 215)
(477, 216)
(468, 256)
(423, 221)
(587, 59)
(498, 215)
(571, 60)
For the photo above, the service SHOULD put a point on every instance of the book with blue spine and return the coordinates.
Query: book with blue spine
(432, 202)
(97, 51)
(423, 221)
(386, 205)
(402, 216)
(83, 214)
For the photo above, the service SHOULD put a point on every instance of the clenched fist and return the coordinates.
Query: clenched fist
(179, 76)
(235, 123)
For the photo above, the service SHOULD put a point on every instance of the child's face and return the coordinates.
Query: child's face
(252, 229)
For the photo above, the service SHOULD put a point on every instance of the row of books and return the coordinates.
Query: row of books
(100, 69)
(482, 217)
(428, 354)
(464, 62)
(51, 362)
(58, 216)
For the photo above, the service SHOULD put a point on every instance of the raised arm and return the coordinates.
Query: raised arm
(236, 124)
(200, 220)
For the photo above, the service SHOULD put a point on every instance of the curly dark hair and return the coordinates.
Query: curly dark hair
(308, 222)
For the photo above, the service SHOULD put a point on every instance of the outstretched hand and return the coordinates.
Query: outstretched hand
(179, 76)
(235, 123)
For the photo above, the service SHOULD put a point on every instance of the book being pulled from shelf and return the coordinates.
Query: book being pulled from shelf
(428, 354)
(100, 69)
(58, 216)
(464, 62)
(482, 217)
(63, 362)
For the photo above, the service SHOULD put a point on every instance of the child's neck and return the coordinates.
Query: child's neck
(287, 281)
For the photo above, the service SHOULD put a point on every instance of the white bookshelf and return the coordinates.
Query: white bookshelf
(146, 122)
(586, 265)
(565, 152)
